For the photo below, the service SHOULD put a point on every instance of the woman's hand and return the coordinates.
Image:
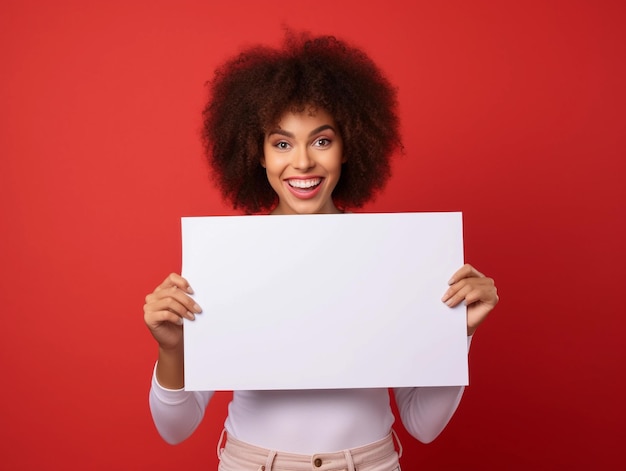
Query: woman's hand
(478, 292)
(165, 309)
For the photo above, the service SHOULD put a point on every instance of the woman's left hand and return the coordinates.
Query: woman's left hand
(478, 291)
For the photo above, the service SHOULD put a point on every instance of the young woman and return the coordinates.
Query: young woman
(305, 129)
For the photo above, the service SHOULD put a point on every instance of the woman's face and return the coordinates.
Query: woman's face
(303, 156)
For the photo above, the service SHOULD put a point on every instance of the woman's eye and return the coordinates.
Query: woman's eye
(322, 142)
(282, 145)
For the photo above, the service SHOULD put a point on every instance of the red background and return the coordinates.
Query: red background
(513, 112)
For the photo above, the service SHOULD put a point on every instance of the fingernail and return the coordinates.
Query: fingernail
(189, 290)
(190, 316)
(197, 308)
(179, 321)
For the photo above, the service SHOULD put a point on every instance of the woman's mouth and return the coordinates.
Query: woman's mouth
(304, 184)
(304, 188)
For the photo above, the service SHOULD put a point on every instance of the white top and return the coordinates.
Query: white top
(308, 421)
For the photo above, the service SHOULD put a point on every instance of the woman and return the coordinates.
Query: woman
(305, 129)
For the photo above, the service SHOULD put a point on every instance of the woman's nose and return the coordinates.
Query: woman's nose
(301, 159)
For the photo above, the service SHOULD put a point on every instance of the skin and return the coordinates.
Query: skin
(305, 148)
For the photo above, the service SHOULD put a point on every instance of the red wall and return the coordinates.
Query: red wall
(513, 112)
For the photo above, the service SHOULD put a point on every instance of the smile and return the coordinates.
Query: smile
(305, 184)
(304, 188)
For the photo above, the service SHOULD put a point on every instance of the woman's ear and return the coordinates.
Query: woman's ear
(344, 158)
(262, 161)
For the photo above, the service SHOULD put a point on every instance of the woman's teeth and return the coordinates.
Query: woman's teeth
(305, 184)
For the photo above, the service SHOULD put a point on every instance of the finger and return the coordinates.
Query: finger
(174, 279)
(476, 295)
(177, 294)
(454, 289)
(466, 271)
(456, 294)
(173, 305)
(471, 290)
(155, 318)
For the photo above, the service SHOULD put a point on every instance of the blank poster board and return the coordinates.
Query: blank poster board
(323, 301)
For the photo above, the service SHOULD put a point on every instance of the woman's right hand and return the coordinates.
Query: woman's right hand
(165, 309)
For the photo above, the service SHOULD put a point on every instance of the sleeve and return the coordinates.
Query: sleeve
(176, 413)
(426, 411)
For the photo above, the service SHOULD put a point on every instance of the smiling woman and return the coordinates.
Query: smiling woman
(303, 158)
(306, 129)
(251, 94)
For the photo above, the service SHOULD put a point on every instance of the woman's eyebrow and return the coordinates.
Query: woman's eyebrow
(323, 127)
(282, 132)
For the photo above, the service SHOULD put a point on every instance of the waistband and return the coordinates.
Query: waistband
(345, 459)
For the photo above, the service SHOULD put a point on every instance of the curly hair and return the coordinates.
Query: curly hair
(251, 91)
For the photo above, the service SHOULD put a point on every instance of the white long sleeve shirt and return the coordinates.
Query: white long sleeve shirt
(308, 421)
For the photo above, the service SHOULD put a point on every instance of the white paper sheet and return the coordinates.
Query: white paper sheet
(323, 301)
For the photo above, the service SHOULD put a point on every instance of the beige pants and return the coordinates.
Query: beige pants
(240, 456)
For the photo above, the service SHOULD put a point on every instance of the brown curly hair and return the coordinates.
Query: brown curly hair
(251, 91)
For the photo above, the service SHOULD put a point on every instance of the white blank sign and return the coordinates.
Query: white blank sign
(323, 301)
